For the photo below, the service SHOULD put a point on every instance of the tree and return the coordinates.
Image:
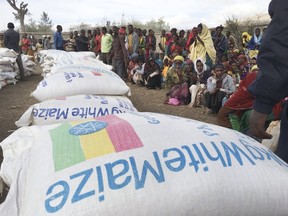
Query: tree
(156, 26)
(237, 27)
(21, 12)
(45, 23)
(32, 26)
(80, 26)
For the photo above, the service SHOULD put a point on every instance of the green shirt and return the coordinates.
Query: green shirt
(106, 43)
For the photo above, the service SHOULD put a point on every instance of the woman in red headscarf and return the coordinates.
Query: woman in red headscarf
(238, 107)
(243, 66)
(174, 48)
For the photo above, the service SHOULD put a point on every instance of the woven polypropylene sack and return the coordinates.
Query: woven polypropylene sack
(140, 164)
(81, 82)
(74, 108)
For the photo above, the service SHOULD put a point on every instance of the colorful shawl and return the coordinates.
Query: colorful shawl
(197, 50)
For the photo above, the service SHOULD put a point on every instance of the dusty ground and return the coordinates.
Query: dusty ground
(15, 99)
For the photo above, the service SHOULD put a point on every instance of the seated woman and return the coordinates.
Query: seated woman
(218, 86)
(243, 65)
(245, 39)
(199, 86)
(235, 112)
(167, 63)
(177, 83)
(152, 74)
(255, 41)
(189, 71)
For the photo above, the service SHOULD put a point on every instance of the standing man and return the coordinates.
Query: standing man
(150, 44)
(82, 42)
(11, 41)
(162, 43)
(220, 43)
(47, 44)
(106, 46)
(97, 42)
(133, 40)
(231, 42)
(119, 52)
(58, 38)
(271, 86)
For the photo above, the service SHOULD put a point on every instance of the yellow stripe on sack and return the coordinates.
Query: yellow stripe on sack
(96, 144)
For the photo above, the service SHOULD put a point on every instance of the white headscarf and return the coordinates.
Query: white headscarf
(257, 40)
(204, 66)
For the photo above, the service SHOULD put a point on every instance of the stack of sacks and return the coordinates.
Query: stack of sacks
(29, 65)
(8, 69)
(140, 164)
(73, 108)
(77, 91)
(52, 58)
(49, 58)
(78, 79)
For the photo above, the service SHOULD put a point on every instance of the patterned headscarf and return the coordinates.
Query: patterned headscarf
(168, 38)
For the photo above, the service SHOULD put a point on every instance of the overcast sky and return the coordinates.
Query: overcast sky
(183, 14)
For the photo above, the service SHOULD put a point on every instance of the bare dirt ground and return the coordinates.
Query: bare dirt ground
(16, 99)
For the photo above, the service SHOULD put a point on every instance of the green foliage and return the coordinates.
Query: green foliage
(32, 26)
(44, 25)
(80, 26)
(237, 26)
(156, 25)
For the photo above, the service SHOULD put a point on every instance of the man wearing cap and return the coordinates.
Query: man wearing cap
(11, 41)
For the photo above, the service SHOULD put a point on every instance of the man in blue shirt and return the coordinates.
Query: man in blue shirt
(58, 38)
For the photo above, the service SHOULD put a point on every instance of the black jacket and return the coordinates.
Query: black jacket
(82, 43)
(11, 40)
(271, 84)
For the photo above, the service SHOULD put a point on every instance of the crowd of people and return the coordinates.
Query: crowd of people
(200, 67)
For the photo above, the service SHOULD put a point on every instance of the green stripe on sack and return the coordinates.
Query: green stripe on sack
(67, 150)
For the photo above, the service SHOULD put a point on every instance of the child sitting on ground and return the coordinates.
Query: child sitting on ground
(139, 71)
(132, 64)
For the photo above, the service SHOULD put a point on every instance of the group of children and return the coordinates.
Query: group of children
(29, 45)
